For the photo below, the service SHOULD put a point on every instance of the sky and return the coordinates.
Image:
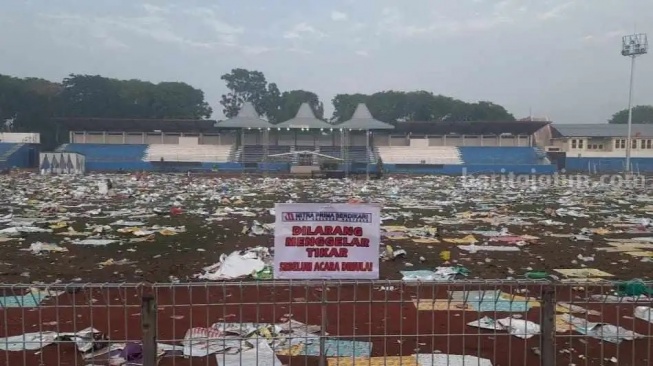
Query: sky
(558, 59)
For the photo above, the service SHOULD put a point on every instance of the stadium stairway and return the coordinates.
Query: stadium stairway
(15, 155)
(372, 155)
(234, 153)
(541, 154)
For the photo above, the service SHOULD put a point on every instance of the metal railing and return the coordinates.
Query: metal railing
(326, 323)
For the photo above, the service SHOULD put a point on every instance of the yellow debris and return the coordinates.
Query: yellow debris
(445, 255)
(295, 350)
(59, 225)
(426, 240)
(469, 239)
(167, 232)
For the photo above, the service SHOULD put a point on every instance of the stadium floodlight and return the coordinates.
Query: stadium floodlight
(632, 46)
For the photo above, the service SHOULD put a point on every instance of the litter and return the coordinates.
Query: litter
(519, 328)
(237, 264)
(440, 274)
(645, 313)
(85, 340)
(603, 331)
(38, 247)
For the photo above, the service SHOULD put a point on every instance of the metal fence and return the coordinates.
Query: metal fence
(326, 323)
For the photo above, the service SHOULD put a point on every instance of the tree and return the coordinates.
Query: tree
(100, 97)
(396, 106)
(91, 96)
(269, 102)
(345, 104)
(245, 86)
(641, 114)
(29, 104)
(291, 101)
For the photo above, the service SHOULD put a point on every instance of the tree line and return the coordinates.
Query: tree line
(29, 104)
(388, 106)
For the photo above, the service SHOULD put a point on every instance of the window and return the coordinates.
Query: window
(633, 144)
(620, 143)
(600, 147)
(573, 143)
(648, 144)
(580, 144)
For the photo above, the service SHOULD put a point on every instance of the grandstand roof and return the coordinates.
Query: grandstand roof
(305, 118)
(601, 130)
(246, 118)
(362, 119)
(470, 127)
(136, 125)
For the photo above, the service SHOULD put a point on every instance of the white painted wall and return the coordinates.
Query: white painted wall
(21, 137)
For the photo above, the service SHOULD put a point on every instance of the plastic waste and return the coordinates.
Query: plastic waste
(635, 287)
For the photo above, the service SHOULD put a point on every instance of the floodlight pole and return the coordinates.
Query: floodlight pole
(367, 156)
(632, 46)
(629, 142)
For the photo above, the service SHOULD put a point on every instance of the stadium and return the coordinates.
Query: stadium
(307, 145)
(103, 245)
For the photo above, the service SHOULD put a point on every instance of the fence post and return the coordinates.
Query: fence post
(547, 321)
(148, 328)
(323, 326)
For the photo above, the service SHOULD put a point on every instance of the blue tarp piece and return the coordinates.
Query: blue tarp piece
(483, 301)
(23, 301)
(340, 348)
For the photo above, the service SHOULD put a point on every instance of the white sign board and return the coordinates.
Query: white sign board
(326, 241)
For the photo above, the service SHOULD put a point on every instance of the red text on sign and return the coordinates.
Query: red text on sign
(327, 252)
(326, 267)
(327, 230)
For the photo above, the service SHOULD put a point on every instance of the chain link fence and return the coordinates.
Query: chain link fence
(497, 323)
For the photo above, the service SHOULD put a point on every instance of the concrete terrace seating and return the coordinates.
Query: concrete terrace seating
(334, 151)
(193, 153)
(356, 154)
(479, 155)
(107, 152)
(254, 153)
(435, 155)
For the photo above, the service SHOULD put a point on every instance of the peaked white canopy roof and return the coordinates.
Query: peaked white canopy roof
(305, 118)
(362, 119)
(246, 118)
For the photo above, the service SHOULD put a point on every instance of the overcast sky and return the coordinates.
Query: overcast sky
(559, 58)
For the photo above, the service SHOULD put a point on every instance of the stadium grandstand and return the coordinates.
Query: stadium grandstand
(306, 144)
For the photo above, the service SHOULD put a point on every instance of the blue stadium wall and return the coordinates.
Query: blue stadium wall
(470, 169)
(113, 158)
(608, 165)
(135, 166)
(352, 168)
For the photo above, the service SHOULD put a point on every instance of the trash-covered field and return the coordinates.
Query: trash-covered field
(163, 228)
(200, 231)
